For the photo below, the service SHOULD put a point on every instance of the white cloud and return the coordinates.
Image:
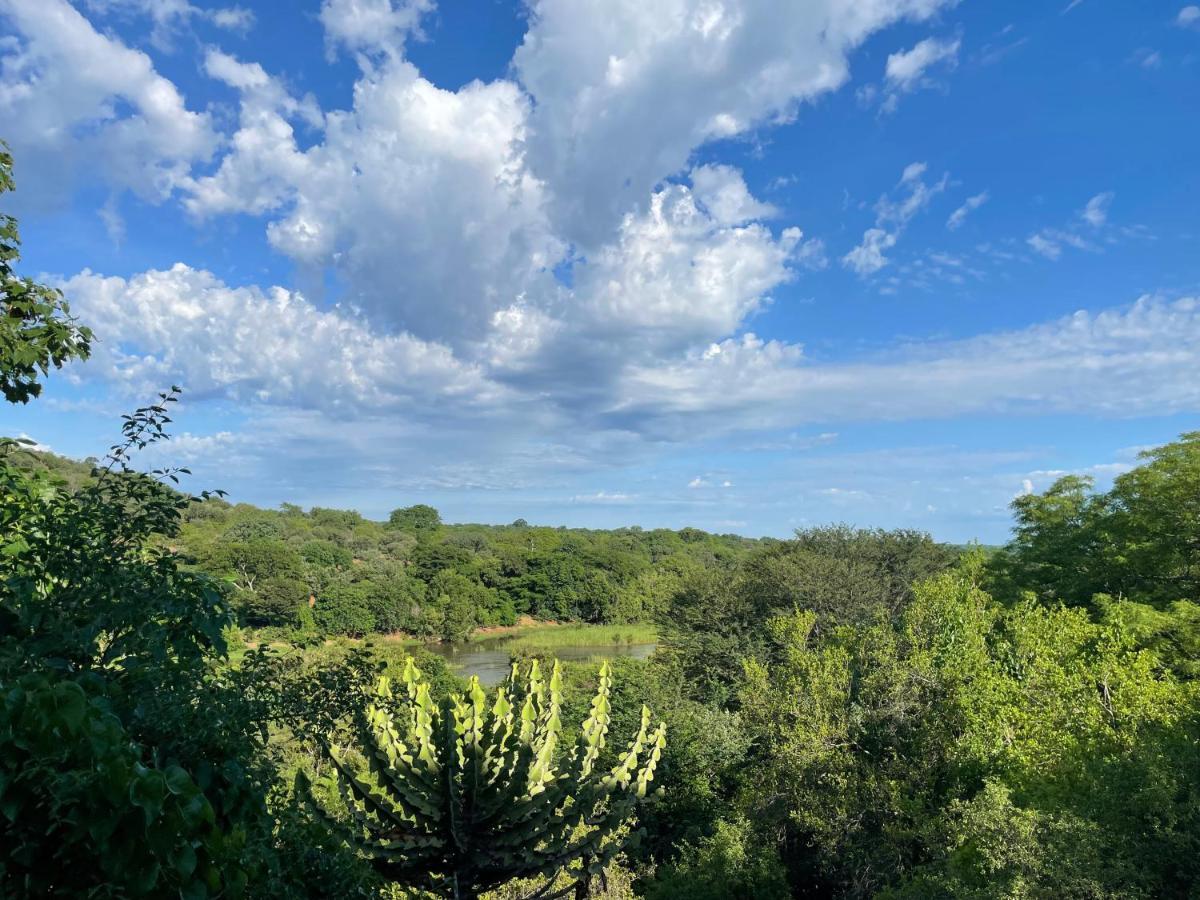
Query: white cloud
(603, 497)
(170, 17)
(1120, 362)
(1189, 17)
(1090, 224)
(373, 25)
(905, 70)
(686, 270)
(274, 347)
(76, 102)
(1147, 58)
(956, 219)
(233, 18)
(625, 90)
(867, 258)
(1096, 211)
(36, 446)
(892, 216)
(697, 482)
(722, 192)
(419, 197)
(263, 163)
(1042, 244)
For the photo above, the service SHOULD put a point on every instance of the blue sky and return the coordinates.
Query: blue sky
(724, 263)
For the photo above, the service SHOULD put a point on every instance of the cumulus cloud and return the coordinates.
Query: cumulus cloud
(969, 205)
(892, 215)
(658, 79)
(263, 163)
(1189, 17)
(75, 100)
(245, 344)
(691, 267)
(372, 25)
(419, 197)
(447, 214)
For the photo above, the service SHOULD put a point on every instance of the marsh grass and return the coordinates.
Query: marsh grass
(552, 637)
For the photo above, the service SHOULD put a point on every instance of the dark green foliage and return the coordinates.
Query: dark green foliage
(83, 812)
(37, 331)
(732, 864)
(99, 624)
(419, 519)
(445, 582)
(464, 796)
(715, 620)
(326, 555)
(344, 608)
(844, 575)
(274, 601)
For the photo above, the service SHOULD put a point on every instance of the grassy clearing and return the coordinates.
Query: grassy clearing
(552, 637)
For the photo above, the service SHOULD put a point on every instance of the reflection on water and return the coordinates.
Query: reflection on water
(489, 659)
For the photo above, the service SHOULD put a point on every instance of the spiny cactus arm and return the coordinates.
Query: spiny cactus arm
(382, 836)
(392, 764)
(603, 806)
(596, 844)
(544, 892)
(419, 851)
(658, 745)
(623, 771)
(366, 793)
(412, 678)
(424, 712)
(595, 727)
(475, 742)
(549, 729)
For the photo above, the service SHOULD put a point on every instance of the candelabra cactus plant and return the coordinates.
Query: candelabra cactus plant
(463, 796)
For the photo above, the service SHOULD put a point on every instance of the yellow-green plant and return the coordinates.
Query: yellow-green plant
(463, 796)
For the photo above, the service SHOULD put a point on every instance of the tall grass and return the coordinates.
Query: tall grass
(552, 637)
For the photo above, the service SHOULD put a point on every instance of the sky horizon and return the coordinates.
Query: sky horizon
(714, 263)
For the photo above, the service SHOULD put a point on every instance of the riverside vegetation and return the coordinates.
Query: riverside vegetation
(196, 701)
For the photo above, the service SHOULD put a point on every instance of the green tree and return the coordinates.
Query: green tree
(967, 746)
(734, 863)
(37, 330)
(467, 795)
(716, 618)
(1140, 540)
(419, 519)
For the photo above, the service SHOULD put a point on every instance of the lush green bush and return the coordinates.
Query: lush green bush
(84, 810)
(887, 754)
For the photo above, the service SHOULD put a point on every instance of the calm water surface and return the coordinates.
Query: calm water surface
(489, 659)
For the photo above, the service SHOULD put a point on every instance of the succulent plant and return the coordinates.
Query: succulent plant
(463, 796)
